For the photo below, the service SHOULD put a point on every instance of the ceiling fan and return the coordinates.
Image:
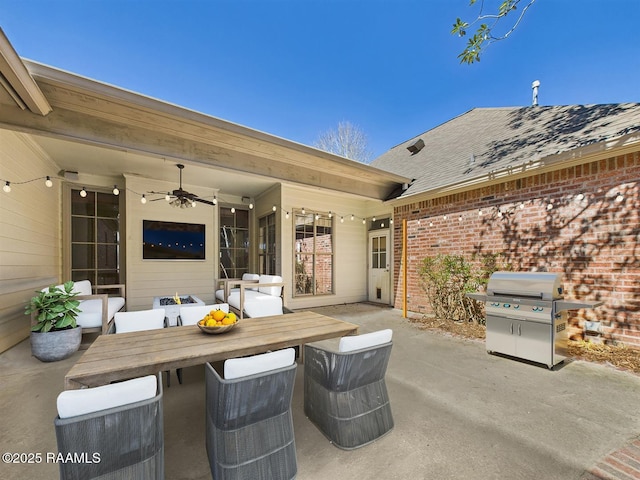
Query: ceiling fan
(180, 197)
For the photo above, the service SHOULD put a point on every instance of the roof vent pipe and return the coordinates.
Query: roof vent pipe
(535, 86)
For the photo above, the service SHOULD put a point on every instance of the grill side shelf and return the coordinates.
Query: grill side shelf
(576, 304)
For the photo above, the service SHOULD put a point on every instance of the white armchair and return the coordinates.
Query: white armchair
(260, 299)
(97, 309)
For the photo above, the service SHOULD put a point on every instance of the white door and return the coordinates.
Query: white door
(379, 259)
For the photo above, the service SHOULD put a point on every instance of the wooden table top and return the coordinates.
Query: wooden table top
(128, 355)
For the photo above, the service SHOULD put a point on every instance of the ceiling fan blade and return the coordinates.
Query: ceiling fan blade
(202, 200)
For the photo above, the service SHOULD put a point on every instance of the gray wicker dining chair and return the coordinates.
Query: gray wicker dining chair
(117, 430)
(345, 394)
(249, 429)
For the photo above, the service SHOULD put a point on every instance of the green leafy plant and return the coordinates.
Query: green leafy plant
(54, 308)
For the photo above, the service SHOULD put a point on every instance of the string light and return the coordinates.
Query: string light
(303, 211)
(341, 219)
(7, 187)
(115, 190)
(233, 209)
(215, 200)
(143, 200)
(274, 208)
(48, 183)
(167, 197)
(83, 193)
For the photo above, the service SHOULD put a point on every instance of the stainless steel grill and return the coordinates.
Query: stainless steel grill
(526, 316)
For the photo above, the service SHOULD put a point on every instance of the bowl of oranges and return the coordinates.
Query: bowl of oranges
(217, 321)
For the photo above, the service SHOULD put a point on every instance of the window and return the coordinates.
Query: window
(267, 245)
(234, 242)
(313, 254)
(95, 237)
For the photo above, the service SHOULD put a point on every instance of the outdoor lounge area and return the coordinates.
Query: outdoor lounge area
(458, 412)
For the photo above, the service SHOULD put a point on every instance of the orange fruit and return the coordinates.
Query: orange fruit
(218, 315)
(227, 321)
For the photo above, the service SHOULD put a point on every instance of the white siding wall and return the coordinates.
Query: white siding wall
(146, 279)
(350, 245)
(30, 255)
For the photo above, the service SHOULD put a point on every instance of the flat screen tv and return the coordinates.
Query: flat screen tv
(172, 240)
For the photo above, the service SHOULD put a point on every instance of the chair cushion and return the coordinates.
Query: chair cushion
(91, 311)
(139, 321)
(82, 287)
(250, 277)
(191, 315)
(256, 304)
(243, 367)
(72, 403)
(366, 340)
(275, 291)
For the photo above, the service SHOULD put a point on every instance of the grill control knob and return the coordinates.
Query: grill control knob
(506, 305)
(516, 307)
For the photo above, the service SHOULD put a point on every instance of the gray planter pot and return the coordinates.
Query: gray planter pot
(54, 346)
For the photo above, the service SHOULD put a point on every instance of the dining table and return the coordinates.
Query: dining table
(123, 356)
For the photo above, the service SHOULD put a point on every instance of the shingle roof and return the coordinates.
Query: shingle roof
(486, 139)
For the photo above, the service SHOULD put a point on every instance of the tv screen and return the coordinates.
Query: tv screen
(172, 240)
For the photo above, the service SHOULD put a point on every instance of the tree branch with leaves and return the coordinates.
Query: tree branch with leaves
(486, 25)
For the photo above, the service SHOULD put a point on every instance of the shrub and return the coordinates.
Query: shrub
(446, 279)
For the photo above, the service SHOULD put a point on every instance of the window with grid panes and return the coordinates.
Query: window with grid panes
(95, 237)
(313, 254)
(234, 242)
(267, 245)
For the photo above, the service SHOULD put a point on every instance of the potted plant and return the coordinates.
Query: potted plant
(55, 334)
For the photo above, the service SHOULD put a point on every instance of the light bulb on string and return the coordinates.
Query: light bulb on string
(233, 209)
(317, 216)
(287, 216)
(143, 199)
(303, 211)
(115, 190)
(167, 197)
(352, 217)
(341, 219)
(48, 183)
(274, 208)
(215, 200)
(83, 192)
(7, 187)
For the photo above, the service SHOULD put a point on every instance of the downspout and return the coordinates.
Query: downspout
(404, 268)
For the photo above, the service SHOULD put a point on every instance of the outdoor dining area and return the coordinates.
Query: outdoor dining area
(456, 412)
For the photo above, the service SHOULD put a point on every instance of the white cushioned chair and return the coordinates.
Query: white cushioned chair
(345, 394)
(266, 300)
(249, 429)
(191, 315)
(96, 310)
(121, 422)
(221, 294)
(139, 321)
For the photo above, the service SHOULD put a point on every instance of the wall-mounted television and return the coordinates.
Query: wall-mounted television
(172, 240)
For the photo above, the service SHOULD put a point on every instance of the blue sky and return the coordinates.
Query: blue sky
(295, 68)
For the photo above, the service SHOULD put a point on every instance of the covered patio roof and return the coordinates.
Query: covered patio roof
(99, 129)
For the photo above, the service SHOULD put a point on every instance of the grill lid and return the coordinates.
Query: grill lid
(543, 285)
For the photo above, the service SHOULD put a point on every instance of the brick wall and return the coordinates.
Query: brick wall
(581, 221)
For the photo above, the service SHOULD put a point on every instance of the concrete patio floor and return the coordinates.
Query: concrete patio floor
(459, 414)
